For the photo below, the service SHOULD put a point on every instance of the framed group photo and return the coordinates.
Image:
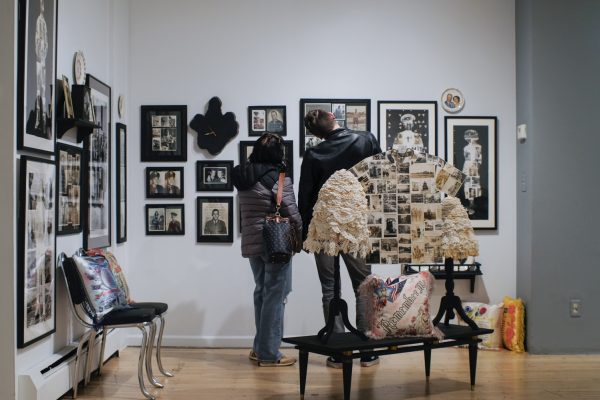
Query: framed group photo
(36, 290)
(263, 119)
(165, 219)
(164, 133)
(246, 147)
(121, 137)
(164, 182)
(353, 114)
(97, 231)
(214, 219)
(408, 124)
(35, 76)
(471, 147)
(68, 193)
(214, 176)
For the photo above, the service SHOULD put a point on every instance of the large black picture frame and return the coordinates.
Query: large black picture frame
(121, 183)
(97, 223)
(214, 176)
(263, 119)
(160, 190)
(36, 258)
(421, 114)
(361, 117)
(36, 63)
(170, 225)
(246, 149)
(222, 230)
(69, 189)
(163, 133)
(477, 137)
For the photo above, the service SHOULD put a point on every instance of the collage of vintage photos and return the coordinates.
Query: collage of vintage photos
(165, 219)
(164, 182)
(164, 133)
(404, 195)
(263, 119)
(69, 189)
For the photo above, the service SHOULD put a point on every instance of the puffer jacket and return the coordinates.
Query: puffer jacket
(257, 192)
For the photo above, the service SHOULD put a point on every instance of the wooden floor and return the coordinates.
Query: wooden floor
(228, 374)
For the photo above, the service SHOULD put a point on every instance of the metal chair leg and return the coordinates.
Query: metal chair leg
(90, 357)
(100, 361)
(159, 347)
(75, 377)
(145, 392)
(149, 349)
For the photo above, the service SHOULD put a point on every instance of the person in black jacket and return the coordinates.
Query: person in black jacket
(341, 149)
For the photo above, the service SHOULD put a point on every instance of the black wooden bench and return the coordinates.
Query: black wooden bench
(347, 346)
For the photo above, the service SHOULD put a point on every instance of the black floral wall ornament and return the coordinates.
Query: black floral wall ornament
(214, 129)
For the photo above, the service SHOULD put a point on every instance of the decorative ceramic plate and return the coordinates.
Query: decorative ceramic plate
(79, 68)
(452, 100)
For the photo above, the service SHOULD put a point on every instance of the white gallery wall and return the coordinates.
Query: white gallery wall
(276, 52)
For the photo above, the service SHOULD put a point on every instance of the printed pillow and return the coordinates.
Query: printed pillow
(513, 327)
(486, 316)
(398, 307)
(100, 284)
(116, 270)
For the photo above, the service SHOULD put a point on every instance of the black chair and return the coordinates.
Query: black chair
(125, 317)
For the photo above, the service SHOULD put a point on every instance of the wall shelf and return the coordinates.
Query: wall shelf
(84, 128)
(461, 271)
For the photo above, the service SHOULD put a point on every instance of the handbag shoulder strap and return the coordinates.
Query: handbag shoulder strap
(280, 190)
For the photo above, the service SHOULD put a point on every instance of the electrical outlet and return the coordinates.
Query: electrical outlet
(575, 309)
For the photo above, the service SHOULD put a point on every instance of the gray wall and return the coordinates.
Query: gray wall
(558, 236)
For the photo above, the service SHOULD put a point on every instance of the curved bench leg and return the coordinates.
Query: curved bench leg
(145, 392)
(102, 346)
(159, 347)
(149, 349)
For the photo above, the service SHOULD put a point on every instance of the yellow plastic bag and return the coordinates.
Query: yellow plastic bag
(513, 324)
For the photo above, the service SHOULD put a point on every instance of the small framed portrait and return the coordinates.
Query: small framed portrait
(214, 176)
(246, 147)
(165, 219)
(452, 101)
(164, 133)
(354, 114)
(214, 219)
(408, 124)
(471, 147)
(263, 119)
(68, 199)
(164, 182)
(68, 111)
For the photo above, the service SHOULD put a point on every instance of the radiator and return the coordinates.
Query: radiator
(53, 377)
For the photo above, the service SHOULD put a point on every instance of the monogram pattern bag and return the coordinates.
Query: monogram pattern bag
(278, 234)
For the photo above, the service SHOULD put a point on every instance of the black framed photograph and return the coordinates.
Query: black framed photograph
(263, 119)
(408, 124)
(471, 147)
(165, 219)
(164, 182)
(68, 192)
(121, 136)
(246, 147)
(214, 176)
(97, 145)
(353, 114)
(35, 76)
(164, 133)
(36, 290)
(214, 219)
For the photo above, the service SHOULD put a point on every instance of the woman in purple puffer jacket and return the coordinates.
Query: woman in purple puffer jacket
(257, 182)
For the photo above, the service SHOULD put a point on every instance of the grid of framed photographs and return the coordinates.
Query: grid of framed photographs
(408, 124)
(353, 114)
(214, 176)
(164, 133)
(68, 199)
(246, 147)
(263, 119)
(214, 219)
(471, 147)
(165, 219)
(36, 290)
(164, 182)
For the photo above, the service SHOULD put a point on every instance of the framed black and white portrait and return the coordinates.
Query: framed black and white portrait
(408, 124)
(165, 219)
(68, 193)
(214, 219)
(354, 114)
(263, 119)
(164, 133)
(164, 182)
(214, 176)
(246, 147)
(471, 147)
(121, 136)
(36, 290)
(97, 145)
(35, 76)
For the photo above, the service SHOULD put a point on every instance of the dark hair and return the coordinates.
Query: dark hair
(319, 122)
(213, 211)
(268, 149)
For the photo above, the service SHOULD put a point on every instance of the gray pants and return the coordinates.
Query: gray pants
(358, 271)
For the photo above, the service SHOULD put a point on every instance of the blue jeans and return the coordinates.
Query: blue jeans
(273, 284)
